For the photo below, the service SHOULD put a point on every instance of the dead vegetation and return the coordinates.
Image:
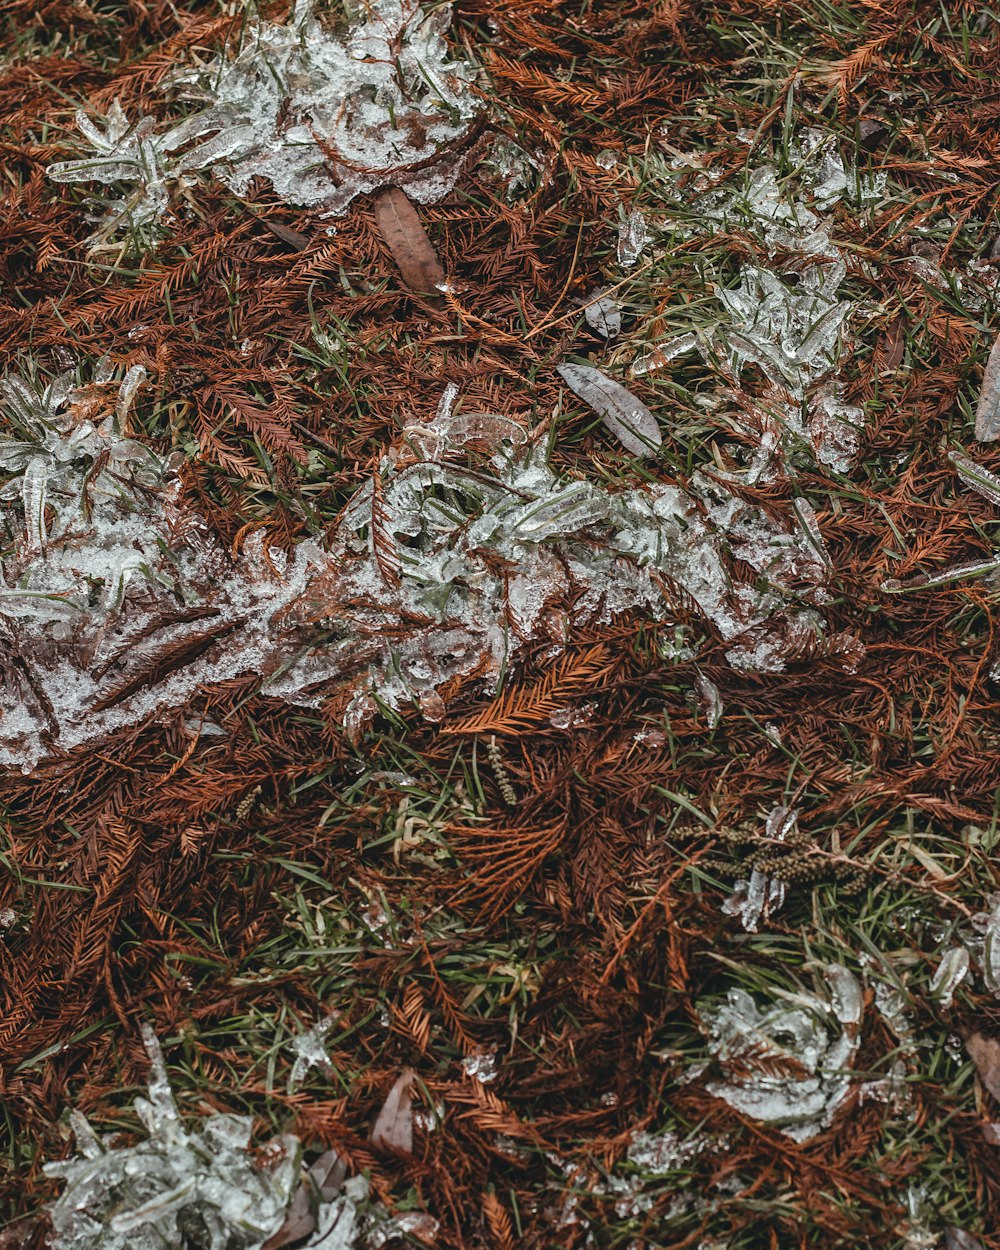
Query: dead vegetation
(534, 872)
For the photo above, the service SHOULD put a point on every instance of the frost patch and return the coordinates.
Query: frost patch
(322, 116)
(114, 598)
(787, 1063)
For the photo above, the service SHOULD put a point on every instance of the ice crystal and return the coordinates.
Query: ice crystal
(763, 894)
(787, 1063)
(310, 1051)
(482, 1065)
(951, 972)
(633, 237)
(322, 116)
(198, 1184)
(180, 1183)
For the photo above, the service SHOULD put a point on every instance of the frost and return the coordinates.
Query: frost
(951, 972)
(310, 1052)
(482, 1065)
(787, 1063)
(322, 116)
(114, 599)
(786, 318)
(757, 898)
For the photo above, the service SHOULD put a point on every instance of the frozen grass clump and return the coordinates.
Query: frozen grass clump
(788, 1062)
(181, 1186)
(115, 600)
(476, 562)
(785, 313)
(198, 1186)
(321, 115)
(119, 603)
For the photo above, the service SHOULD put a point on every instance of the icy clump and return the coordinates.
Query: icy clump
(198, 1183)
(763, 894)
(178, 1182)
(786, 317)
(322, 116)
(788, 1063)
(633, 238)
(478, 561)
(951, 972)
(310, 1051)
(114, 598)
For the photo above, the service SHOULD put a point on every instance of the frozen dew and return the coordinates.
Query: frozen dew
(763, 894)
(481, 1065)
(310, 1052)
(785, 314)
(789, 1061)
(633, 238)
(951, 971)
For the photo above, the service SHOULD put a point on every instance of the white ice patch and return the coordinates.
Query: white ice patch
(117, 603)
(323, 116)
(114, 599)
(788, 1063)
(787, 317)
(199, 1179)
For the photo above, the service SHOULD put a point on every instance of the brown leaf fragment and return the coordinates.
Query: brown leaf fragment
(988, 408)
(893, 346)
(393, 1128)
(286, 234)
(985, 1054)
(322, 1184)
(628, 418)
(407, 239)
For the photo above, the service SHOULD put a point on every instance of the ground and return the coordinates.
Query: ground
(516, 891)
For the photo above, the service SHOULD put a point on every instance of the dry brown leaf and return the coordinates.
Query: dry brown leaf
(988, 408)
(407, 239)
(286, 234)
(628, 418)
(393, 1129)
(985, 1054)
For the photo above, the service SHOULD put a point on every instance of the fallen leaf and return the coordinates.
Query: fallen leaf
(988, 408)
(626, 417)
(407, 239)
(893, 346)
(985, 1054)
(958, 1239)
(322, 1184)
(286, 234)
(393, 1129)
